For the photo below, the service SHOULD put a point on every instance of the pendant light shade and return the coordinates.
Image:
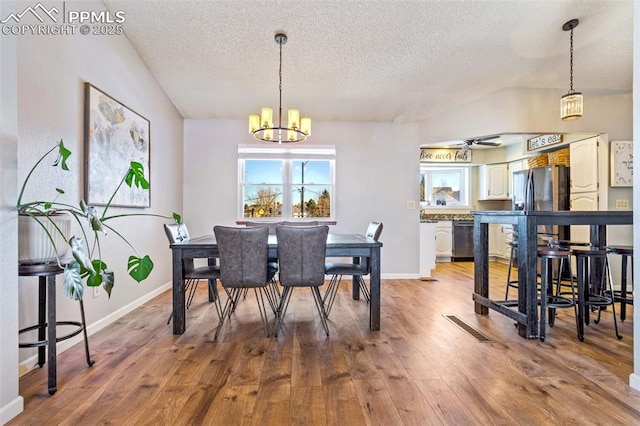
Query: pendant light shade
(571, 104)
(263, 128)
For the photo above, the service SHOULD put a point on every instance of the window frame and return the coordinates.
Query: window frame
(465, 186)
(287, 155)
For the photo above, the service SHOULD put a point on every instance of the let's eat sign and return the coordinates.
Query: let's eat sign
(543, 141)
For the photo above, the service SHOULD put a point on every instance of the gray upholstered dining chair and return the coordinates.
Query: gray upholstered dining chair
(192, 275)
(243, 265)
(301, 258)
(356, 270)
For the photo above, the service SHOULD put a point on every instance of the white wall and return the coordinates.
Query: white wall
(634, 378)
(10, 402)
(51, 71)
(376, 172)
(531, 111)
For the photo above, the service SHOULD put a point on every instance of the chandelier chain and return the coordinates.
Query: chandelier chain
(571, 62)
(280, 89)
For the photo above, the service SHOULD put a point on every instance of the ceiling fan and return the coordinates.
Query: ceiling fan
(485, 141)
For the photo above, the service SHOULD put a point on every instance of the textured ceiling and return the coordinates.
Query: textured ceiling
(373, 60)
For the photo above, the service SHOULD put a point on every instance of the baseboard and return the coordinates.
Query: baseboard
(31, 363)
(634, 381)
(11, 410)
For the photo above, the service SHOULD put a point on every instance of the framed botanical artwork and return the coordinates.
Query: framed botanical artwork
(621, 163)
(115, 135)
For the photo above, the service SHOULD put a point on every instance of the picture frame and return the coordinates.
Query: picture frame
(621, 163)
(114, 136)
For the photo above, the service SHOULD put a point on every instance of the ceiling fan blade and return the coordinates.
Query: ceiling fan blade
(487, 143)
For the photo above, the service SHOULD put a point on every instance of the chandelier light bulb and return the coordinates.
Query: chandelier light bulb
(263, 128)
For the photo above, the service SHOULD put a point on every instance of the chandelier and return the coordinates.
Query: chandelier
(262, 126)
(571, 103)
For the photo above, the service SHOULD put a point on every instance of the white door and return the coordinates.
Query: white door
(584, 166)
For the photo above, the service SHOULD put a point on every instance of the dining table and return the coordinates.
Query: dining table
(338, 245)
(525, 223)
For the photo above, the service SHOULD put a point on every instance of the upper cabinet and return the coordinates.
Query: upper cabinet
(493, 182)
(584, 166)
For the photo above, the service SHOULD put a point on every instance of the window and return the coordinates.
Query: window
(444, 187)
(286, 183)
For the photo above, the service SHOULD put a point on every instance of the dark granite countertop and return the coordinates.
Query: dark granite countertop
(435, 217)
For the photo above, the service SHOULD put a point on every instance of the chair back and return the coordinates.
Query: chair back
(374, 230)
(300, 223)
(176, 232)
(243, 255)
(270, 225)
(301, 255)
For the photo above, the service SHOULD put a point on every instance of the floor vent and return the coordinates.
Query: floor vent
(466, 327)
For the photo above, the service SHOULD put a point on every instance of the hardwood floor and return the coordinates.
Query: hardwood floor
(420, 369)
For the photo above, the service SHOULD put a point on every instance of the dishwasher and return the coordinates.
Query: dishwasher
(462, 240)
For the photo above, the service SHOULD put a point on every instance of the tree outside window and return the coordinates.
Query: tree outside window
(286, 188)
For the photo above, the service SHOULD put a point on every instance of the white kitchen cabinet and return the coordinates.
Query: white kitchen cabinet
(499, 238)
(584, 166)
(427, 248)
(444, 241)
(493, 182)
(507, 231)
(587, 201)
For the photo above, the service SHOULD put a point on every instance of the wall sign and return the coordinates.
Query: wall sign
(444, 155)
(621, 163)
(543, 141)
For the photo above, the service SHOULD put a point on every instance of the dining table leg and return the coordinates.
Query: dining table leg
(355, 289)
(179, 308)
(374, 306)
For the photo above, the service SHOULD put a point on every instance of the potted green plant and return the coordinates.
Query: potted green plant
(86, 263)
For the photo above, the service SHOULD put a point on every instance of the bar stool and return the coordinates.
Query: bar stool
(548, 299)
(586, 296)
(512, 259)
(512, 256)
(47, 321)
(624, 296)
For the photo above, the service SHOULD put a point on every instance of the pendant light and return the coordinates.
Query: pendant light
(262, 126)
(571, 103)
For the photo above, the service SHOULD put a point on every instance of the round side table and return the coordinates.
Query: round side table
(47, 336)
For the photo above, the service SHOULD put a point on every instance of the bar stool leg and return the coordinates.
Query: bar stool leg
(51, 334)
(546, 274)
(506, 294)
(606, 273)
(42, 318)
(84, 332)
(581, 265)
(623, 287)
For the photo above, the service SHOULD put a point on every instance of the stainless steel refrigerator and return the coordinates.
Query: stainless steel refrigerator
(543, 188)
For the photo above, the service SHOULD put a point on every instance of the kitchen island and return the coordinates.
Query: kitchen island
(525, 224)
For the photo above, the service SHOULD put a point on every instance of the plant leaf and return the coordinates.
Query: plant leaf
(80, 253)
(73, 287)
(135, 176)
(139, 268)
(60, 191)
(83, 206)
(63, 155)
(94, 220)
(98, 267)
(177, 218)
(108, 279)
